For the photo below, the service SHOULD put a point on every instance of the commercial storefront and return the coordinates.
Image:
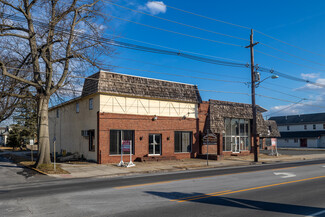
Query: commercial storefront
(153, 119)
(237, 135)
(231, 124)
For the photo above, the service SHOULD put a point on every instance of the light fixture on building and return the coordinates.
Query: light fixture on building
(141, 137)
(168, 138)
(154, 118)
(184, 117)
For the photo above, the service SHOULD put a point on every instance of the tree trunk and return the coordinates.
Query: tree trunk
(44, 140)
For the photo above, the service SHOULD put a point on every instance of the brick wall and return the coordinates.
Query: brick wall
(143, 126)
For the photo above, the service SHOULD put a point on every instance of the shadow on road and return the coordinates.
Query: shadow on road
(238, 203)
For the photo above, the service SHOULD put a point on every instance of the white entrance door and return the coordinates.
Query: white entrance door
(154, 144)
(235, 144)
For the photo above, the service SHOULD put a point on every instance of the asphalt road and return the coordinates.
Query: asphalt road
(296, 151)
(291, 189)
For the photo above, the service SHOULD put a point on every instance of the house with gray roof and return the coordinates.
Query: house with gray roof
(306, 130)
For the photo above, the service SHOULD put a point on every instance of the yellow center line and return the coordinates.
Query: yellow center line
(202, 177)
(200, 195)
(247, 189)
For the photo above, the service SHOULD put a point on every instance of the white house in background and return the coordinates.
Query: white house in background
(306, 130)
(4, 133)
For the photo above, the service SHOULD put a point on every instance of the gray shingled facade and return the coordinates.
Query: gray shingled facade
(134, 86)
(219, 110)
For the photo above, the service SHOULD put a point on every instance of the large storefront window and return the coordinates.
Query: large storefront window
(237, 135)
(119, 137)
(183, 141)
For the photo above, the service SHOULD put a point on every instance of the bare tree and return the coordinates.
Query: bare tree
(55, 38)
(12, 92)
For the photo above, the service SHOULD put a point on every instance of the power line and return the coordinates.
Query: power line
(240, 26)
(283, 42)
(199, 15)
(284, 108)
(193, 57)
(305, 66)
(176, 22)
(293, 55)
(139, 47)
(177, 68)
(171, 31)
(283, 93)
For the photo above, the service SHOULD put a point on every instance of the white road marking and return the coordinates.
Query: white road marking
(316, 214)
(284, 175)
(323, 166)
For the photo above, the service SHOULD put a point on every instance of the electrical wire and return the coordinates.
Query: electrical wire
(176, 22)
(240, 26)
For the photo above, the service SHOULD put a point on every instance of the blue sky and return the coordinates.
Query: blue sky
(299, 23)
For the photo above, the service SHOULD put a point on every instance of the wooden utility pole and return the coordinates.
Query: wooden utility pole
(254, 130)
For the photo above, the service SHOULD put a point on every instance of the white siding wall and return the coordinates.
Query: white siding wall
(311, 143)
(67, 128)
(321, 142)
(282, 143)
(300, 127)
(137, 106)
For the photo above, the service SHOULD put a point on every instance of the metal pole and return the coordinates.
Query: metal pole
(207, 147)
(254, 131)
(54, 155)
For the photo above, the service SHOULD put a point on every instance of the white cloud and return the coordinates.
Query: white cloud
(309, 86)
(309, 75)
(154, 7)
(315, 104)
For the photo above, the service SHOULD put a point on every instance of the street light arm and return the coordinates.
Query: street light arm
(272, 76)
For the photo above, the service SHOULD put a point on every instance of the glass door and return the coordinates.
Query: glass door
(154, 144)
(235, 143)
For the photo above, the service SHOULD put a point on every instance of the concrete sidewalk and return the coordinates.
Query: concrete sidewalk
(84, 170)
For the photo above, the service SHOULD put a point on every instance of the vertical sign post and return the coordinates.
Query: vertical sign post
(207, 147)
(121, 162)
(31, 142)
(54, 141)
(130, 164)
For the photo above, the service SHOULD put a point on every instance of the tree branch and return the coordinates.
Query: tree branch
(4, 72)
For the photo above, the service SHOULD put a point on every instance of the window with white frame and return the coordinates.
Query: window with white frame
(314, 126)
(237, 135)
(288, 127)
(305, 127)
(295, 140)
(183, 141)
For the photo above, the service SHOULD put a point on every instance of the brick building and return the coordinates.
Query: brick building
(158, 119)
(230, 124)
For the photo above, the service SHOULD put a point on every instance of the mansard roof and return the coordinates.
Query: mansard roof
(135, 86)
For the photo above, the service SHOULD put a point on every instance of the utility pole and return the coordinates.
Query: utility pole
(251, 46)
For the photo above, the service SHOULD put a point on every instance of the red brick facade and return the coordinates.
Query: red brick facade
(166, 126)
(143, 126)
